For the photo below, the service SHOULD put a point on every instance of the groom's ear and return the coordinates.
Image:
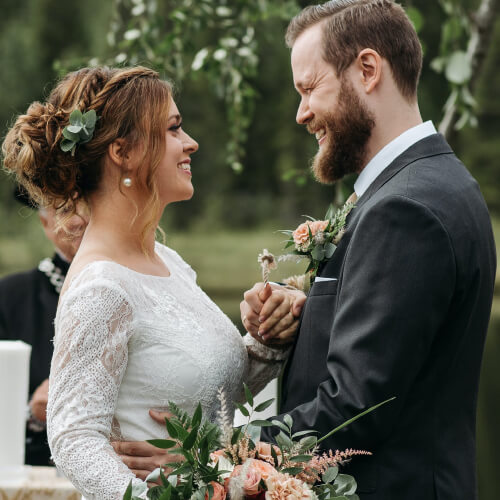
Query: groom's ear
(369, 66)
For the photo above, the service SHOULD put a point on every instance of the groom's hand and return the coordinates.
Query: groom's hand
(143, 458)
(270, 313)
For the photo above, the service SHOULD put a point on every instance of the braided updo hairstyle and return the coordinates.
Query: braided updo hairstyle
(131, 103)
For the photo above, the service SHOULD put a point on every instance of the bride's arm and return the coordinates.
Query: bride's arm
(90, 357)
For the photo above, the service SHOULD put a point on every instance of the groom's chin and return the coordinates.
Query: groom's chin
(323, 168)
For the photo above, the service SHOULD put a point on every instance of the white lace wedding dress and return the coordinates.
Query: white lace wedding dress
(126, 342)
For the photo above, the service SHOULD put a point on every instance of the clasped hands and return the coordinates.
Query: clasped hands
(269, 314)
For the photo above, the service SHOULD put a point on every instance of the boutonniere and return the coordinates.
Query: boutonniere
(317, 240)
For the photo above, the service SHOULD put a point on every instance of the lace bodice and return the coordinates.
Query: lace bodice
(126, 342)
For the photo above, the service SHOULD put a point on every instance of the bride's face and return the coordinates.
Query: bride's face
(174, 170)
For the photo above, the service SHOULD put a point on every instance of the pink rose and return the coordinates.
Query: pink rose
(219, 491)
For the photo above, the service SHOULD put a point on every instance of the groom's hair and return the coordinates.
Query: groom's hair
(350, 26)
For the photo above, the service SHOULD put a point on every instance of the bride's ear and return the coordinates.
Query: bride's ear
(118, 152)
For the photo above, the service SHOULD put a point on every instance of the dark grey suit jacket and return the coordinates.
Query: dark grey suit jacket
(406, 316)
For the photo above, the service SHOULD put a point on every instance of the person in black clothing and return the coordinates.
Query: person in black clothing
(28, 303)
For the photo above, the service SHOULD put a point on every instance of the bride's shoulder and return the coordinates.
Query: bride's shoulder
(170, 256)
(92, 270)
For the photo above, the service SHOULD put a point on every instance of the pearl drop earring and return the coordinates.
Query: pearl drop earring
(127, 182)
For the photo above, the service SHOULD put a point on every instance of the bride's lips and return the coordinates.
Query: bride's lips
(185, 166)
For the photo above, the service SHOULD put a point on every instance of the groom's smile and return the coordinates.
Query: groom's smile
(331, 109)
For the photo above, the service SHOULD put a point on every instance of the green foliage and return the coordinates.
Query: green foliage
(455, 63)
(185, 38)
(79, 131)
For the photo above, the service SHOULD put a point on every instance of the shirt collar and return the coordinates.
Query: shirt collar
(389, 153)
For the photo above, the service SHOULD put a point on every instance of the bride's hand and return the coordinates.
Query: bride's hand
(143, 458)
(270, 314)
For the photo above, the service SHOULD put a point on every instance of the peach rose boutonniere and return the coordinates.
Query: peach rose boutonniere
(317, 240)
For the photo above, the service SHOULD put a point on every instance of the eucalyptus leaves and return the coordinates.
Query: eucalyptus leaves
(79, 131)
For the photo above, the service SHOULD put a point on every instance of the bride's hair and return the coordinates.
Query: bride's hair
(131, 103)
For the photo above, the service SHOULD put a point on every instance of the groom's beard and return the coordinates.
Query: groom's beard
(348, 130)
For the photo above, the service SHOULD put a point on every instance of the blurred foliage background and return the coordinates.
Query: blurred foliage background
(251, 173)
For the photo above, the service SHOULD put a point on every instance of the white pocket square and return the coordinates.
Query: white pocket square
(319, 278)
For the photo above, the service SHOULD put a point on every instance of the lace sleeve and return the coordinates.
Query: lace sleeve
(264, 363)
(90, 357)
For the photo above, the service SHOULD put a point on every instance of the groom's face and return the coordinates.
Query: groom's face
(331, 109)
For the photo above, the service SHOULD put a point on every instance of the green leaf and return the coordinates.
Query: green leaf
(281, 425)
(292, 470)
(128, 492)
(183, 469)
(74, 129)
(302, 433)
(275, 457)
(164, 444)
(284, 441)
(308, 442)
(89, 118)
(359, 415)
(289, 244)
(329, 250)
(167, 493)
(318, 253)
(67, 145)
(172, 431)
(243, 410)
(188, 443)
(263, 406)
(70, 135)
(346, 485)
(288, 421)
(76, 118)
(458, 70)
(262, 423)
(330, 474)
(301, 458)
(196, 420)
(248, 395)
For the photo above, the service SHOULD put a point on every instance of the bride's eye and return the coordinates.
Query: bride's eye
(176, 127)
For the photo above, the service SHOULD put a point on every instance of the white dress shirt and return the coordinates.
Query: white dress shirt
(389, 153)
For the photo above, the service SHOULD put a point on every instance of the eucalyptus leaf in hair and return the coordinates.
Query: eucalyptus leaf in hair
(79, 131)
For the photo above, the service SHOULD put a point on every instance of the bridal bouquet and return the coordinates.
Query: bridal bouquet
(222, 462)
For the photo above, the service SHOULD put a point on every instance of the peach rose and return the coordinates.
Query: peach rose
(285, 487)
(264, 451)
(255, 471)
(301, 234)
(219, 491)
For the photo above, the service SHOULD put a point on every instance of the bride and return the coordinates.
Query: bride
(133, 330)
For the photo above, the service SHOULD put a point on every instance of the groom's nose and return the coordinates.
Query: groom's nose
(304, 113)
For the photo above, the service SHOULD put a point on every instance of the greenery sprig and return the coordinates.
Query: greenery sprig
(79, 131)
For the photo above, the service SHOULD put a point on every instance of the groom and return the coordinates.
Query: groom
(402, 307)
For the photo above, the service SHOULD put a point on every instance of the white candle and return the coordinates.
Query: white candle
(14, 387)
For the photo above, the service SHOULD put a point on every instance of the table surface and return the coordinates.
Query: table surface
(41, 483)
